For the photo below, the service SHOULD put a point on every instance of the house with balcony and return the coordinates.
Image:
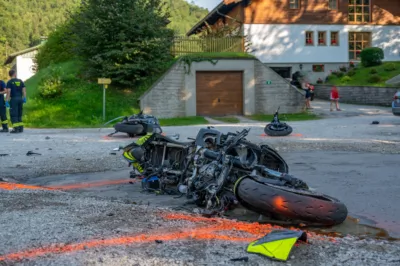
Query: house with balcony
(313, 36)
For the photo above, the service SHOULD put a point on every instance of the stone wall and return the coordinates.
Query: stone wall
(358, 94)
(174, 94)
(165, 99)
(279, 93)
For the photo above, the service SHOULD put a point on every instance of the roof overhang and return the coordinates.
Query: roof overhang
(219, 11)
(11, 57)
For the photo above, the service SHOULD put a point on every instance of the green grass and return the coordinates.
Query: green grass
(227, 119)
(183, 121)
(81, 104)
(362, 74)
(285, 117)
(233, 55)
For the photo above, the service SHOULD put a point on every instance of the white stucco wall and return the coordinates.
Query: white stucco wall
(24, 65)
(279, 43)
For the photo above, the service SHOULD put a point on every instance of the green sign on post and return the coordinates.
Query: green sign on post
(268, 82)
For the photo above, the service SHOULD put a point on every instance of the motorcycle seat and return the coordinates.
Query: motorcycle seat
(174, 141)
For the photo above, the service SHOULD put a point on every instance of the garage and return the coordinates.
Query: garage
(219, 93)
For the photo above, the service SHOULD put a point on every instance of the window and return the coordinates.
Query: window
(357, 42)
(333, 4)
(359, 11)
(321, 38)
(294, 4)
(284, 72)
(309, 38)
(334, 38)
(318, 68)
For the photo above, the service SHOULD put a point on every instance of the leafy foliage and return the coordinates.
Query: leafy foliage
(126, 40)
(372, 56)
(346, 79)
(374, 78)
(351, 72)
(50, 86)
(58, 48)
(373, 71)
(24, 22)
(39, 18)
(389, 67)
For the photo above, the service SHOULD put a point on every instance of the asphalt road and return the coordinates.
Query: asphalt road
(343, 156)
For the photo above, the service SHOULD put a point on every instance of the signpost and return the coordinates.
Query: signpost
(105, 82)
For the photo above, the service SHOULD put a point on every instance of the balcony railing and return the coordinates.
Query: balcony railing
(189, 45)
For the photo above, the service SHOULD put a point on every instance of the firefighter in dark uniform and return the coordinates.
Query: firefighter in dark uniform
(3, 113)
(16, 97)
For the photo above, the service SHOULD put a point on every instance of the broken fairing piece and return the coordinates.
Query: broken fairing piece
(277, 244)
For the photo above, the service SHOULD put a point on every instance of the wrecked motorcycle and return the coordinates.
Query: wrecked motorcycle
(276, 127)
(155, 151)
(136, 125)
(221, 179)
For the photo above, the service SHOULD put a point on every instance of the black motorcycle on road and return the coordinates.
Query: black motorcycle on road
(277, 128)
(136, 125)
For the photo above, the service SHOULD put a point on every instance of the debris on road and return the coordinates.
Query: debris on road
(246, 259)
(30, 153)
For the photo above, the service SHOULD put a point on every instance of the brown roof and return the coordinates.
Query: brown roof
(220, 10)
(11, 57)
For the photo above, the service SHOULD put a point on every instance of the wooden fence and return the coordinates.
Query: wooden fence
(188, 45)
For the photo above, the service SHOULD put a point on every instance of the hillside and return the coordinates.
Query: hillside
(23, 22)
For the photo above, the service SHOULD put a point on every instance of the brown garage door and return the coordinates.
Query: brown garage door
(219, 92)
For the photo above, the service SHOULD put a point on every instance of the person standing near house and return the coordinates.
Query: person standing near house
(16, 97)
(3, 109)
(335, 98)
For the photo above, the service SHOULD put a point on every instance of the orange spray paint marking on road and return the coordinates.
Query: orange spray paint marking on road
(208, 229)
(92, 184)
(14, 186)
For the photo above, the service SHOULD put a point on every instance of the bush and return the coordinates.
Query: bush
(389, 67)
(351, 73)
(345, 79)
(372, 56)
(338, 74)
(50, 86)
(58, 47)
(343, 68)
(373, 71)
(126, 40)
(329, 77)
(374, 79)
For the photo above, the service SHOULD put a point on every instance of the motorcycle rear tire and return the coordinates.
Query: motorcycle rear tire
(131, 130)
(286, 130)
(265, 199)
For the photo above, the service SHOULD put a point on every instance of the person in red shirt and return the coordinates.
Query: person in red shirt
(335, 98)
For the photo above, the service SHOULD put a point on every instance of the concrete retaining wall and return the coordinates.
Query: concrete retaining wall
(174, 94)
(279, 93)
(358, 94)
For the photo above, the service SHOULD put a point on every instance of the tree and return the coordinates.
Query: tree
(126, 40)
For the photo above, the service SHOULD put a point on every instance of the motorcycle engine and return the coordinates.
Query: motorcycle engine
(208, 174)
